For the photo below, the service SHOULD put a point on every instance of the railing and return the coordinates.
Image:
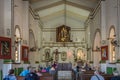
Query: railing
(64, 44)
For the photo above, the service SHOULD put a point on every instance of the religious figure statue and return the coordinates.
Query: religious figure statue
(47, 54)
(63, 34)
(56, 53)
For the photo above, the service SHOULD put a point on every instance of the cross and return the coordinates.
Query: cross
(56, 55)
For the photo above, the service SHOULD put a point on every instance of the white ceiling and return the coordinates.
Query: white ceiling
(55, 12)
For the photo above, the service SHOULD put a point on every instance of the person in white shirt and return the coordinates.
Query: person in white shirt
(97, 76)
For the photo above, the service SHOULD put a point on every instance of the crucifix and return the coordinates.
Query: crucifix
(56, 53)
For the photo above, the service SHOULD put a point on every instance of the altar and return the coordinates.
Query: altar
(64, 71)
(64, 75)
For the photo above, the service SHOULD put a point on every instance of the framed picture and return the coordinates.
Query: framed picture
(104, 52)
(25, 51)
(5, 48)
(63, 34)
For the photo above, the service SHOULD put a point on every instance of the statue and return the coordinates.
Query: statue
(56, 53)
(47, 54)
(63, 34)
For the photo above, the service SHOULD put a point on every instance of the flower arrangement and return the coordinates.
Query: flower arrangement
(118, 61)
(102, 61)
(91, 62)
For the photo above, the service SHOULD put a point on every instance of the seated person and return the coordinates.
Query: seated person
(10, 76)
(48, 68)
(52, 70)
(74, 68)
(87, 66)
(97, 76)
(38, 73)
(31, 75)
(25, 72)
(43, 70)
(78, 72)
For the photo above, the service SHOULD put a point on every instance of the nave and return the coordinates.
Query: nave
(41, 32)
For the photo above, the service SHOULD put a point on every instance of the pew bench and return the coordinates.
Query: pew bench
(88, 76)
(46, 76)
(20, 77)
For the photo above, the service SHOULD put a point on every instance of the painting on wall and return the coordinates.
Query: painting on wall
(5, 48)
(104, 52)
(25, 53)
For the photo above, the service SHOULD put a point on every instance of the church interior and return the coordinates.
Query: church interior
(40, 33)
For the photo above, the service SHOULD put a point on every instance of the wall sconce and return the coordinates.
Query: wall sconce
(115, 43)
(88, 49)
(17, 39)
(33, 49)
(98, 48)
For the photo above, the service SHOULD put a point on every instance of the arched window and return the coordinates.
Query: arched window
(111, 45)
(17, 44)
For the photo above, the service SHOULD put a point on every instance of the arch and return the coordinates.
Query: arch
(112, 28)
(96, 36)
(96, 47)
(17, 31)
(32, 43)
(17, 44)
(112, 54)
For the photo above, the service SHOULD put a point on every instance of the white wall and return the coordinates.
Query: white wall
(5, 18)
(107, 15)
(36, 28)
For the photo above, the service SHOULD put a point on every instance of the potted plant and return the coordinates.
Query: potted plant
(118, 61)
(103, 66)
(37, 62)
(102, 61)
(91, 62)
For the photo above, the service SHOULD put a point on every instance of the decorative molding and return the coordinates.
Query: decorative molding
(36, 16)
(64, 44)
(54, 29)
(62, 2)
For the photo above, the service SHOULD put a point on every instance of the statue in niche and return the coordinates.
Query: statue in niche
(63, 56)
(63, 34)
(47, 54)
(56, 55)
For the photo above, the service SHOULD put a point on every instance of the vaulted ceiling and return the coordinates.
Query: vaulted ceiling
(72, 13)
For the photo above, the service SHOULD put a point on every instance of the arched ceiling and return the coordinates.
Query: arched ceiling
(69, 12)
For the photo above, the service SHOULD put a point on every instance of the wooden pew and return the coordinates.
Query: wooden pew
(46, 76)
(88, 76)
(20, 77)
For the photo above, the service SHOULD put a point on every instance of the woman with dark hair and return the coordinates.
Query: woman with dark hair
(10, 76)
(32, 75)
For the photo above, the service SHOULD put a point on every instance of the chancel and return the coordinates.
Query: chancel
(60, 39)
